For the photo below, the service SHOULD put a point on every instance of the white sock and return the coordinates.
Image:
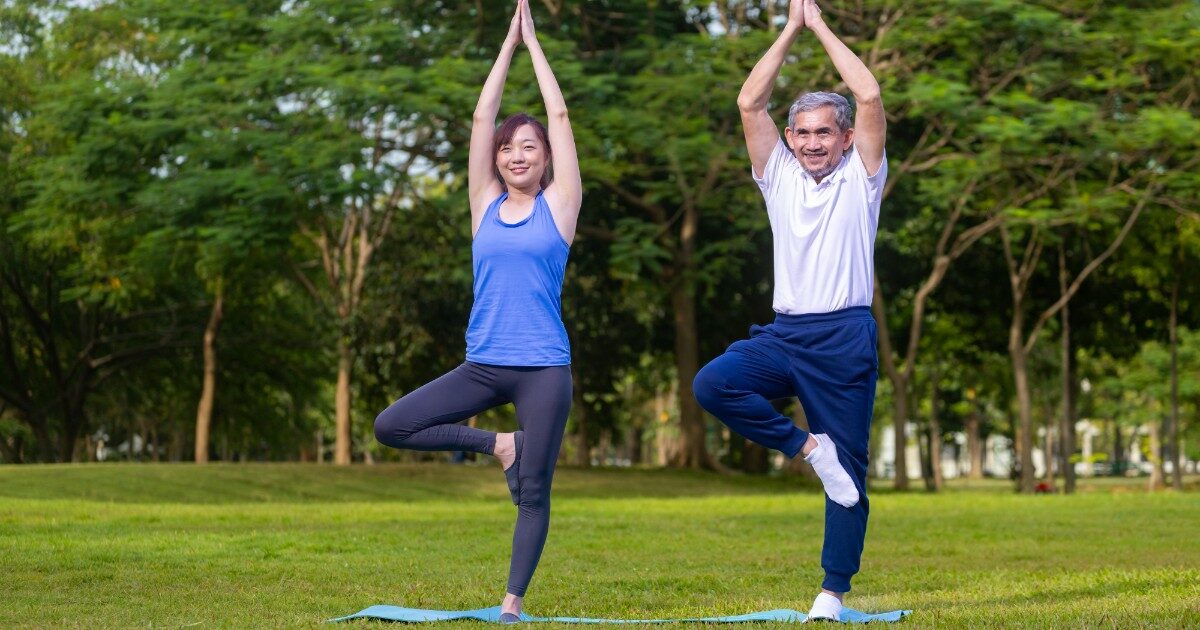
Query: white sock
(838, 484)
(825, 606)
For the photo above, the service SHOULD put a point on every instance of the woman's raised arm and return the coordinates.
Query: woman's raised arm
(565, 193)
(482, 184)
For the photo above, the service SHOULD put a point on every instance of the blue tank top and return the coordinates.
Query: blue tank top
(517, 316)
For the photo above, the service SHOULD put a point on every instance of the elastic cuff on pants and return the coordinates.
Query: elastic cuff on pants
(796, 443)
(519, 592)
(836, 582)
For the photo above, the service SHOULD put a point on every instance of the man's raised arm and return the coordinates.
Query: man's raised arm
(870, 125)
(761, 133)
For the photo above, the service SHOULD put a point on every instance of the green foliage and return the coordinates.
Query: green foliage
(154, 154)
(1138, 390)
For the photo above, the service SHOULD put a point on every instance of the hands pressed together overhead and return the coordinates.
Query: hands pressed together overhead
(804, 13)
(521, 28)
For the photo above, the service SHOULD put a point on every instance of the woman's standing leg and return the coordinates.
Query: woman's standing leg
(543, 399)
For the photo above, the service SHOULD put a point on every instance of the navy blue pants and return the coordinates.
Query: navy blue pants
(828, 361)
(424, 420)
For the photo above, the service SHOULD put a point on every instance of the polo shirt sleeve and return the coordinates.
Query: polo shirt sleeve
(780, 166)
(874, 183)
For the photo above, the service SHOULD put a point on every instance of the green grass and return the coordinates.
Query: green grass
(291, 545)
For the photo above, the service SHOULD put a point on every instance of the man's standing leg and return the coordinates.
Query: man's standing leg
(835, 367)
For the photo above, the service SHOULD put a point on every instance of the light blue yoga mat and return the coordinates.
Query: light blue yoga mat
(415, 615)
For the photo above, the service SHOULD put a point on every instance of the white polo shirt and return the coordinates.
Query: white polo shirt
(824, 234)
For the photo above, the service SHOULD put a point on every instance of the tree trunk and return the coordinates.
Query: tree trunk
(923, 455)
(41, 434)
(583, 454)
(900, 438)
(10, 451)
(1048, 456)
(1024, 441)
(936, 477)
(1156, 466)
(144, 434)
(75, 421)
(1160, 454)
(1176, 449)
(935, 429)
(583, 449)
(899, 391)
(208, 390)
(636, 435)
(604, 449)
(341, 448)
(81, 449)
(663, 451)
(974, 444)
(1066, 428)
(1118, 452)
(1019, 347)
(755, 458)
(694, 453)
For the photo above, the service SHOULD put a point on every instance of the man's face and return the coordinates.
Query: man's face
(817, 141)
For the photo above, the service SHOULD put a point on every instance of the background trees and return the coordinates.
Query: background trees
(238, 229)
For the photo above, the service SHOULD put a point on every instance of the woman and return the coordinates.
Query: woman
(525, 196)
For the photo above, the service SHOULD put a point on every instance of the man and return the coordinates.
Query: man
(823, 189)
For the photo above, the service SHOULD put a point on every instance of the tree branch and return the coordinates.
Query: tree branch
(654, 210)
(878, 307)
(1087, 270)
(308, 285)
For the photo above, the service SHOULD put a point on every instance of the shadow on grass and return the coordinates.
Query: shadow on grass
(1103, 586)
(300, 483)
(224, 483)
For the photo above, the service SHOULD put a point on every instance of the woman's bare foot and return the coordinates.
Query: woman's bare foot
(511, 604)
(505, 449)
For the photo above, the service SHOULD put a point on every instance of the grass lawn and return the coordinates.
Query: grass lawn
(254, 545)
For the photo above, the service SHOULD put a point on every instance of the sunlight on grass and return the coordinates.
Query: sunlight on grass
(287, 545)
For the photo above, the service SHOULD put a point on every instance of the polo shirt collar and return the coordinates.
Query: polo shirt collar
(838, 175)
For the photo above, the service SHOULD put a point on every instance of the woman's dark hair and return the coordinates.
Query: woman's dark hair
(508, 129)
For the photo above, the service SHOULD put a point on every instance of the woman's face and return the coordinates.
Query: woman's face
(522, 161)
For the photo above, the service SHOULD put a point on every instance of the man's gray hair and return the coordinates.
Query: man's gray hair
(843, 113)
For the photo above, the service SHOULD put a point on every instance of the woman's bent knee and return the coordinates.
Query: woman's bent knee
(382, 432)
(389, 429)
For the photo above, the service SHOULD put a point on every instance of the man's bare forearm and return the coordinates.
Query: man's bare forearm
(852, 70)
(756, 91)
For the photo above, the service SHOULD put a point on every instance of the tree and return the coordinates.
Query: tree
(81, 311)
(213, 198)
(1135, 146)
(693, 215)
(1157, 259)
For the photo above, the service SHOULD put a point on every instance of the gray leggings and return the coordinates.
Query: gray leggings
(424, 420)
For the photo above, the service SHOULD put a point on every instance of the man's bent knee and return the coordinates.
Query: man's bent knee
(708, 387)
